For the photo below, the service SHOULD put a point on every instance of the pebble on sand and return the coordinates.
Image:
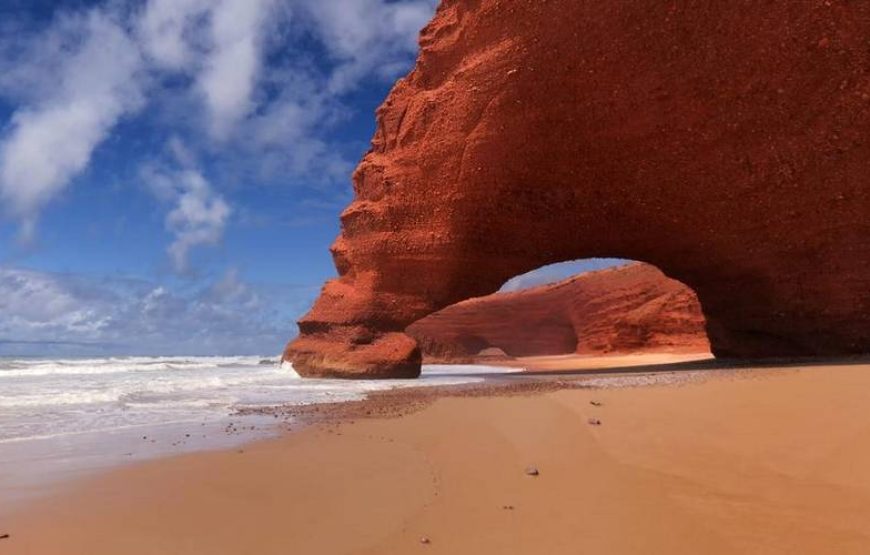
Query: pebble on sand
(425, 541)
(594, 422)
(531, 471)
(4, 536)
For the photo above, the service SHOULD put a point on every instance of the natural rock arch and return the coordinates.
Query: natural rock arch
(727, 143)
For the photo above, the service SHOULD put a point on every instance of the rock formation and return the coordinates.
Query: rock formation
(628, 309)
(727, 143)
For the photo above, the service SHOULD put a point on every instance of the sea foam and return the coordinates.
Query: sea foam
(54, 397)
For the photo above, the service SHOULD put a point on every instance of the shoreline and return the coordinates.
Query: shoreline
(537, 378)
(377, 475)
(37, 468)
(46, 470)
(204, 420)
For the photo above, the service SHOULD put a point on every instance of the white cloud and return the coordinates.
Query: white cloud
(75, 81)
(228, 79)
(232, 289)
(367, 36)
(199, 215)
(33, 303)
(71, 84)
(198, 219)
(285, 135)
(86, 72)
(167, 31)
(52, 141)
(219, 42)
(45, 313)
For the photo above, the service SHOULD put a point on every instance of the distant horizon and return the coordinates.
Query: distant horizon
(84, 349)
(120, 355)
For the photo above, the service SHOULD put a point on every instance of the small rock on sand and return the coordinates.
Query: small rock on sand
(596, 403)
(531, 471)
(4, 536)
(594, 422)
(424, 540)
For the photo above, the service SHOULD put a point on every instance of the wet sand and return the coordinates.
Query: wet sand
(771, 460)
(595, 363)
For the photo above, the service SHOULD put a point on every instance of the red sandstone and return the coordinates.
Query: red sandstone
(630, 309)
(724, 142)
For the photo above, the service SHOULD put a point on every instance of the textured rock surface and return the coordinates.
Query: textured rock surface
(629, 309)
(727, 143)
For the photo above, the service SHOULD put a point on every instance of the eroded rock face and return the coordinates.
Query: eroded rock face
(629, 309)
(727, 143)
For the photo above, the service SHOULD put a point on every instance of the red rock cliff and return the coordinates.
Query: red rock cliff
(727, 143)
(629, 309)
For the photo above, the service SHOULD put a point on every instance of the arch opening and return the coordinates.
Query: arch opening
(587, 307)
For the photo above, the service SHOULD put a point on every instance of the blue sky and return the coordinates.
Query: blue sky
(171, 171)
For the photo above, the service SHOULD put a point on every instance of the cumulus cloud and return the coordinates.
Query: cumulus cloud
(51, 139)
(72, 83)
(31, 302)
(198, 218)
(219, 42)
(227, 81)
(86, 72)
(364, 41)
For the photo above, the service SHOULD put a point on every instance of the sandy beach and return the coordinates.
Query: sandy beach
(772, 460)
(455, 277)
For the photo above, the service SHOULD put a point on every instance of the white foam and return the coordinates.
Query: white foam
(47, 398)
(37, 367)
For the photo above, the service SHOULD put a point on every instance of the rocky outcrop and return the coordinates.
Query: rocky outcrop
(724, 142)
(629, 309)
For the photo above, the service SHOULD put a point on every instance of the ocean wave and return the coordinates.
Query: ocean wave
(44, 397)
(120, 365)
(60, 398)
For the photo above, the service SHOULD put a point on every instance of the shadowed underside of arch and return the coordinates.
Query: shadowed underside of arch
(726, 143)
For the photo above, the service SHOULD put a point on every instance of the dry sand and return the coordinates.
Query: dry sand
(756, 461)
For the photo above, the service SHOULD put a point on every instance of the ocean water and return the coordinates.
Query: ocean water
(58, 415)
(43, 398)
